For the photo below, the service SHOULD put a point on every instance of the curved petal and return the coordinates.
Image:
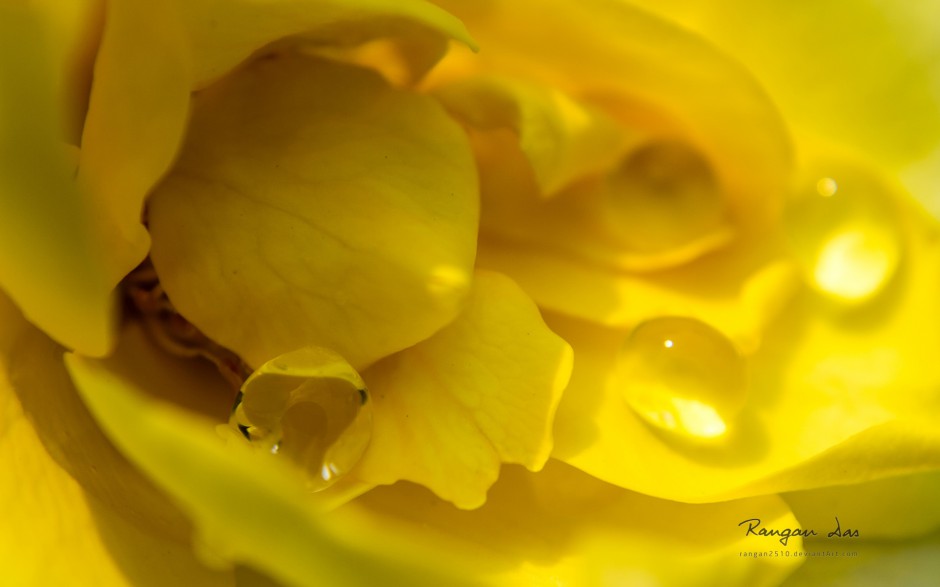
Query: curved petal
(50, 262)
(342, 212)
(836, 397)
(481, 392)
(153, 54)
(79, 513)
(246, 508)
(561, 527)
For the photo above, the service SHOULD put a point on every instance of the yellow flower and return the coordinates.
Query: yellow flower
(323, 211)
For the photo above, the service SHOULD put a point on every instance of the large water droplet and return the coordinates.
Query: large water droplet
(682, 376)
(664, 196)
(842, 225)
(310, 406)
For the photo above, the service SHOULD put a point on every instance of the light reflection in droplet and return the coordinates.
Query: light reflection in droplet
(682, 376)
(311, 407)
(843, 230)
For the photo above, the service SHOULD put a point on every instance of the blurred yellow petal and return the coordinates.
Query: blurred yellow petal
(342, 212)
(562, 527)
(153, 54)
(648, 72)
(247, 507)
(562, 139)
(79, 513)
(481, 392)
(50, 262)
(896, 507)
(837, 395)
(74, 28)
(864, 75)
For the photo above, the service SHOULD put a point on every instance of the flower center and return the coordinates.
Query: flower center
(308, 405)
(171, 331)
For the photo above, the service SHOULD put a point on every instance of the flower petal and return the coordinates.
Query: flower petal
(646, 70)
(342, 212)
(480, 392)
(79, 513)
(154, 54)
(835, 397)
(562, 527)
(50, 262)
(562, 139)
(247, 507)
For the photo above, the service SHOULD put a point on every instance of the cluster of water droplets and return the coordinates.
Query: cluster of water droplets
(311, 407)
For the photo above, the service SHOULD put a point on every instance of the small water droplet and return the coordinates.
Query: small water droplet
(682, 376)
(311, 407)
(843, 229)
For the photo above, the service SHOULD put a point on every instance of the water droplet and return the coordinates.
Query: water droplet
(843, 229)
(664, 196)
(311, 407)
(682, 376)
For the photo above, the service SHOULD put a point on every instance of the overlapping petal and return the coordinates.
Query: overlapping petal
(151, 56)
(246, 506)
(562, 139)
(481, 392)
(647, 72)
(341, 211)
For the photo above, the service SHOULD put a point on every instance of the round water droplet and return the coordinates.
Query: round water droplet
(663, 196)
(843, 229)
(682, 376)
(310, 406)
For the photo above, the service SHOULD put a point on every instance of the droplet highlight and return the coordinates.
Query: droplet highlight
(682, 376)
(842, 225)
(309, 406)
